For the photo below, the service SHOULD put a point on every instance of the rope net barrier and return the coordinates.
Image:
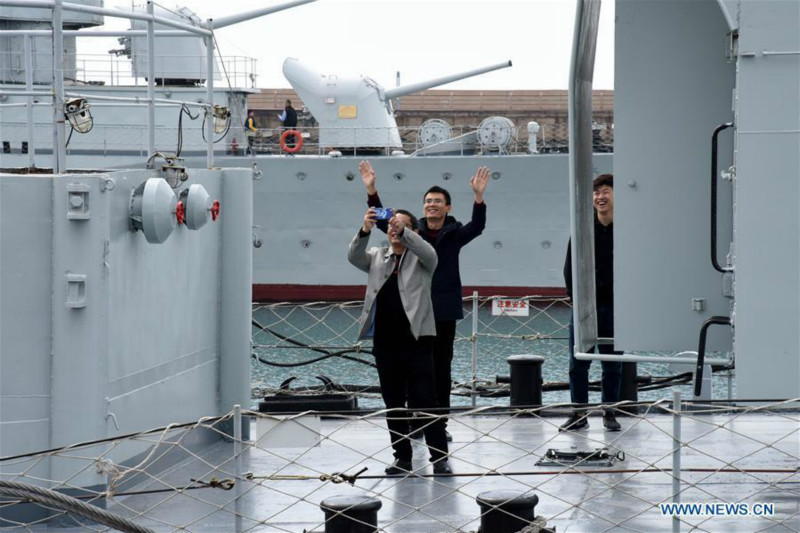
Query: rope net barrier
(737, 463)
(288, 336)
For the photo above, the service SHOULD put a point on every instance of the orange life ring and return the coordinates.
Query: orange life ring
(291, 149)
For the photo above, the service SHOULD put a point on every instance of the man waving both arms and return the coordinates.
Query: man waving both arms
(447, 235)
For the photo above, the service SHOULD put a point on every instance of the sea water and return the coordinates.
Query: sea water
(302, 333)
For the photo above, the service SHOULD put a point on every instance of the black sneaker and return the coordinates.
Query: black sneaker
(610, 421)
(448, 436)
(398, 468)
(574, 422)
(442, 467)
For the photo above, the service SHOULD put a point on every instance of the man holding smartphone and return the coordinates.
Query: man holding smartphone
(398, 315)
(447, 235)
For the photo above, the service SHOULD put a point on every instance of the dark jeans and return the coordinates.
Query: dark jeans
(442, 368)
(443, 361)
(579, 370)
(405, 370)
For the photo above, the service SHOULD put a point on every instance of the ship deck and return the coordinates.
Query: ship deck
(746, 457)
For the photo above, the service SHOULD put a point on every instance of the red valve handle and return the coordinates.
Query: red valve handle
(180, 212)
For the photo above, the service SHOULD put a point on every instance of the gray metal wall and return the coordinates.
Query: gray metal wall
(767, 198)
(306, 224)
(158, 333)
(25, 325)
(673, 86)
(164, 337)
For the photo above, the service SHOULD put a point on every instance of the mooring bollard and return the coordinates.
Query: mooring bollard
(505, 511)
(351, 514)
(526, 379)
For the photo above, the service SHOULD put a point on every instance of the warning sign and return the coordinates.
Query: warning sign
(509, 307)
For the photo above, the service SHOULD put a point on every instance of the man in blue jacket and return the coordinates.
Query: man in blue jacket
(448, 236)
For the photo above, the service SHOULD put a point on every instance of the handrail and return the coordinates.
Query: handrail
(701, 349)
(634, 358)
(714, 170)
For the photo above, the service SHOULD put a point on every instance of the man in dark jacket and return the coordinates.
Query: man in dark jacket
(289, 121)
(603, 202)
(448, 236)
(289, 116)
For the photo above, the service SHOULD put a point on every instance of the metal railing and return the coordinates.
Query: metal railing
(109, 138)
(61, 68)
(112, 70)
(550, 139)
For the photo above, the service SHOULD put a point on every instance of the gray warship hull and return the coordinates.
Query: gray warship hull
(306, 209)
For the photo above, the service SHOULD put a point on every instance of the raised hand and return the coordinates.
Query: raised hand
(396, 225)
(367, 176)
(369, 220)
(479, 182)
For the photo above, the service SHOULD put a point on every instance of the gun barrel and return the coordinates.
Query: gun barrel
(421, 86)
(241, 17)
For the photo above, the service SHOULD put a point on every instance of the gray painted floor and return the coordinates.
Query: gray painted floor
(582, 499)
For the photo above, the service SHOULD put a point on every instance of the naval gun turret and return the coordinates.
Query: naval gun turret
(37, 17)
(181, 60)
(356, 112)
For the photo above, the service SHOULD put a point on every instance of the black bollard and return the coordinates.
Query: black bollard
(505, 511)
(526, 379)
(351, 514)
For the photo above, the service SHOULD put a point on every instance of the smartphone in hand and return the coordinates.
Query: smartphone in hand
(383, 213)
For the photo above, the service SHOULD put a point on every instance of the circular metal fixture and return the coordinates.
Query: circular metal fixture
(197, 204)
(398, 176)
(153, 210)
(446, 176)
(497, 244)
(305, 244)
(496, 133)
(434, 131)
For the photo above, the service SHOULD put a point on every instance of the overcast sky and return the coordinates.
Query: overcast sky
(421, 39)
